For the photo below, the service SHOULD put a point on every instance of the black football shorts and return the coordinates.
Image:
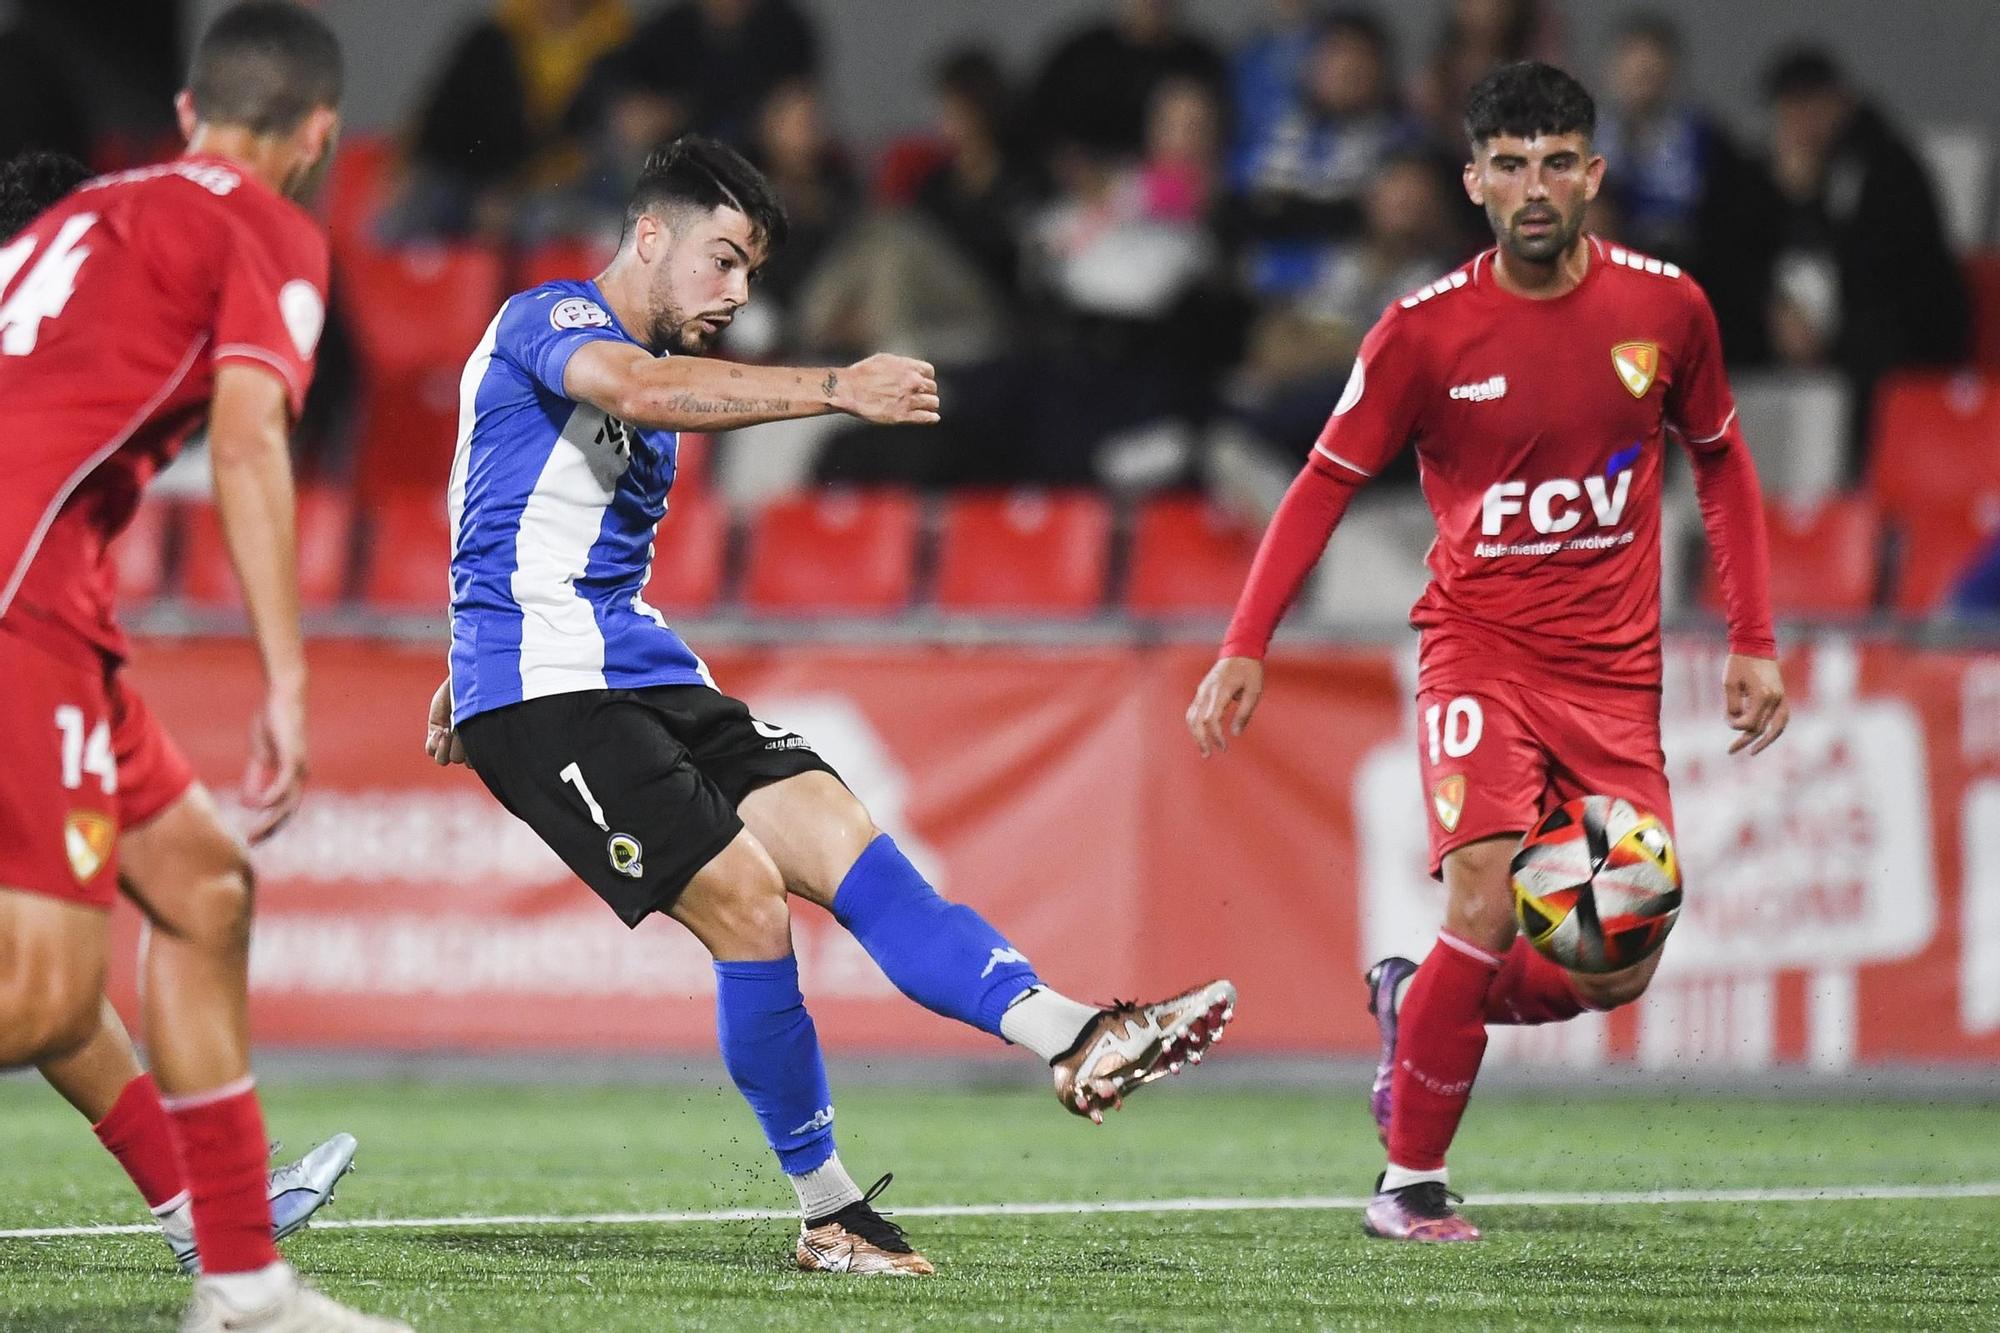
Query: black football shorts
(636, 790)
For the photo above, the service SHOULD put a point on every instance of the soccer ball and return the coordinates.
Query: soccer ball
(1597, 884)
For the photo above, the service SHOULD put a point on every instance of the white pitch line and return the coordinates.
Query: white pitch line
(1286, 1204)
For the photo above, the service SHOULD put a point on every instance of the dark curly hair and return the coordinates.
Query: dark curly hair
(1528, 98)
(32, 183)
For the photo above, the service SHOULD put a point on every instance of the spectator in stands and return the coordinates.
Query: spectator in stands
(497, 119)
(1677, 187)
(716, 61)
(1301, 348)
(980, 198)
(1477, 35)
(1865, 280)
(1306, 181)
(813, 179)
(1264, 75)
(1978, 590)
(1094, 92)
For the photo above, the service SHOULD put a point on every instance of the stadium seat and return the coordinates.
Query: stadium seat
(1936, 553)
(690, 553)
(1825, 557)
(574, 259)
(409, 553)
(325, 526)
(839, 552)
(1030, 551)
(139, 554)
(1188, 558)
(1937, 442)
(416, 316)
(1982, 280)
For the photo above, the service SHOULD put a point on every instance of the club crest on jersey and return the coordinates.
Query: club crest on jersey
(578, 312)
(1448, 801)
(626, 855)
(87, 840)
(1636, 364)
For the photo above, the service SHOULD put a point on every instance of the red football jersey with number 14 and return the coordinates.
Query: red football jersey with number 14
(1540, 429)
(116, 307)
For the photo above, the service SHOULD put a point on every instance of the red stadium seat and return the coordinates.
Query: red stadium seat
(1937, 552)
(409, 553)
(690, 553)
(416, 316)
(1982, 279)
(1824, 557)
(557, 260)
(1937, 443)
(325, 527)
(840, 552)
(1026, 552)
(1188, 558)
(139, 554)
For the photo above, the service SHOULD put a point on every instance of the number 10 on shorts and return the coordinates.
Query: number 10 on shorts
(1454, 728)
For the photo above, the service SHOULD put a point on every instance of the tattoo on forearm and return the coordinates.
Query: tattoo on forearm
(831, 385)
(687, 402)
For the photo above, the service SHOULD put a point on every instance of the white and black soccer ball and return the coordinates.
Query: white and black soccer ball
(1597, 884)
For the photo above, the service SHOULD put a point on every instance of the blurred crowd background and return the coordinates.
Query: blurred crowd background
(1142, 256)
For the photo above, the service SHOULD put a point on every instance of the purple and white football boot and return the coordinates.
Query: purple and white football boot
(1384, 981)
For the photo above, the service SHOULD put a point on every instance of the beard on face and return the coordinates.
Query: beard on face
(1549, 244)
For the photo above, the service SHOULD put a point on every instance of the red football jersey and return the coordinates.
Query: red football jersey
(116, 307)
(1540, 428)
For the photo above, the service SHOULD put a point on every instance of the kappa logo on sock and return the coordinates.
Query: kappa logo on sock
(821, 1119)
(1000, 958)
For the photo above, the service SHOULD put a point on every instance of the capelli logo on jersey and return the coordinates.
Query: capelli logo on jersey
(1485, 391)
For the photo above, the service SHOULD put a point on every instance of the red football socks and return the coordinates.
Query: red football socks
(136, 1131)
(1529, 988)
(1441, 1038)
(220, 1136)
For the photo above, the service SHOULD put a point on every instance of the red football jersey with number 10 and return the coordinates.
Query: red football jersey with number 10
(116, 308)
(1540, 429)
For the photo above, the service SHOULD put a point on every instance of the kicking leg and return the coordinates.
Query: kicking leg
(51, 975)
(735, 905)
(1440, 1042)
(949, 959)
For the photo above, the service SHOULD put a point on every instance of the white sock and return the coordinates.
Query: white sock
(827, 1188)
(1398, 1176)
(1046, 1023)
(255, 1289)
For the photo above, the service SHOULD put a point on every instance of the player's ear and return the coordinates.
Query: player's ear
(1473, 189)
(649, 238)
(1593, 177)
(184, 113)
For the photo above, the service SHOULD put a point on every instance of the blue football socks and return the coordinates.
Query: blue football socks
(772, 1053)
(941, 954)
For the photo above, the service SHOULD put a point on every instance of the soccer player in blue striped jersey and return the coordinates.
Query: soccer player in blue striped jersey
(590, 719)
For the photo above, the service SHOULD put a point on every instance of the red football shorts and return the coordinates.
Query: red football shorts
(80, 759)
(1497, 759)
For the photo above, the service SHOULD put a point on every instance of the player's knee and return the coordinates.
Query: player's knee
(736, 905)
(1479, 907)
(48, 1002)
(215, 907)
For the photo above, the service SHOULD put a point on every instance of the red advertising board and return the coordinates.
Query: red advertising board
(1843, 888)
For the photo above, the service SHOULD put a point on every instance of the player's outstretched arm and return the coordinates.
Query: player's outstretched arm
(699, 393)
(249, 451)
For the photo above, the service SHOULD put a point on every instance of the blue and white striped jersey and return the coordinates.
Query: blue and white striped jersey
(553, 506)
